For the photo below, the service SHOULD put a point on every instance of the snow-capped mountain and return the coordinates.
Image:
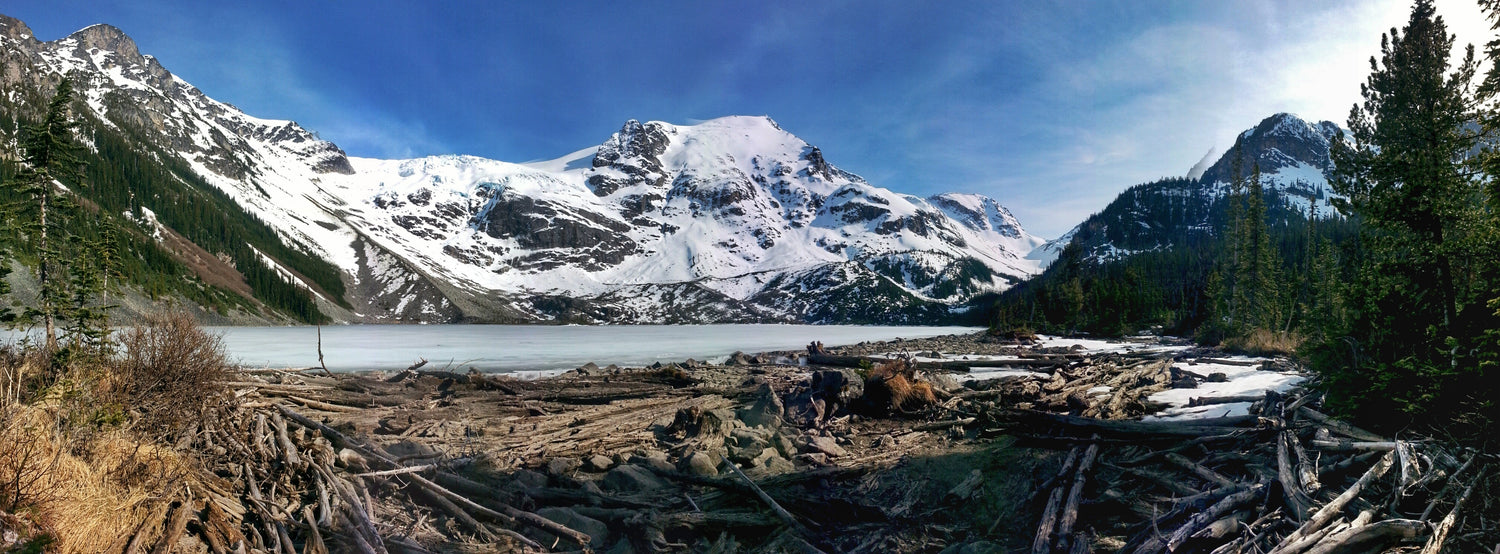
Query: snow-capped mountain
(1294, 162)
(732, 219)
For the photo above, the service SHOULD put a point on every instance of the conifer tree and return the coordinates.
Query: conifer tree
(48, 153)
(1403, 177)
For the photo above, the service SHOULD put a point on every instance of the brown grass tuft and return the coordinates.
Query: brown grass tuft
(90, 497)
(894, 386)
(1261, 342)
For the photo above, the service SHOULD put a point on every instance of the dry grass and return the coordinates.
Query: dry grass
(894, 385)
(90, 495)
(1261, 342)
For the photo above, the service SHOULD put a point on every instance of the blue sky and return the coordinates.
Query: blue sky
(1052, 108)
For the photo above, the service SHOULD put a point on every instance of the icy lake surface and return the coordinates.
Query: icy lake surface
(534, 348)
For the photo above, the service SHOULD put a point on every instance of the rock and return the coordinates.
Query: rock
(885, 441)
(597, 531)
(692, 364)
(562, 467)
(655, 460)
(826, 445)
(598, 463)
(767, 409)
(815, 458)
(528, 479)
(700, 464)
(631, 479)
(656, 365)
(738, 358)
(588, 369)
(1216, 377)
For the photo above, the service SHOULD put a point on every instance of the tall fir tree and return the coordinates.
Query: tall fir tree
(48, 153)
(1403, 177)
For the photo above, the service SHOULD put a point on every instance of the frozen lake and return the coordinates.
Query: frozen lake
(510, 348)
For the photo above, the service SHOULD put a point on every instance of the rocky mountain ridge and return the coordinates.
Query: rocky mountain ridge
(1294, 162)
(733, 219)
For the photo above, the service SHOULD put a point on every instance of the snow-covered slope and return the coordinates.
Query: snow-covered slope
(732, 219)
(1293, 157)
(726, 207)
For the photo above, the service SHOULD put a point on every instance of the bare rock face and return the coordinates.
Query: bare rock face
(635, 152)
(560, 234)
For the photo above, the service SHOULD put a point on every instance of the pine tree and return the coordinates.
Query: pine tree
(1403, 177)
(48, 153)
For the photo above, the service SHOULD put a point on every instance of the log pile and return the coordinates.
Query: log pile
(776, 458)
(1285, 479)
(288, 483)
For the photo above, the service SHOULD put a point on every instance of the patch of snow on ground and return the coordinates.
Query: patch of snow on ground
(1243, 381)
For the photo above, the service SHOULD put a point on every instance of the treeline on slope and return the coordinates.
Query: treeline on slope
(123, 172)
(1397, 306)
(1177, 266)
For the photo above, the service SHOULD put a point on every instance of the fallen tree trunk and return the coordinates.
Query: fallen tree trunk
(1326, 513)
(1375, 537)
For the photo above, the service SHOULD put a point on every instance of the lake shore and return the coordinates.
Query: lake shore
(951, 447)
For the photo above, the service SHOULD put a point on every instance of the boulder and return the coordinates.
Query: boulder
(631, 479)
(700, 464)
(597, 531)
(826, 445)
(738, 358)
(767, 410)
(598, 463)
(653, 459)
(528, 479)
(562, 467)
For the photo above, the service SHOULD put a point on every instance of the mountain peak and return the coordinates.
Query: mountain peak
(14, 29)
(107, 38)
(1291, 126)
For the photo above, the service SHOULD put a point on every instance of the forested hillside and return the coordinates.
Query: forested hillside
(137, 213)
